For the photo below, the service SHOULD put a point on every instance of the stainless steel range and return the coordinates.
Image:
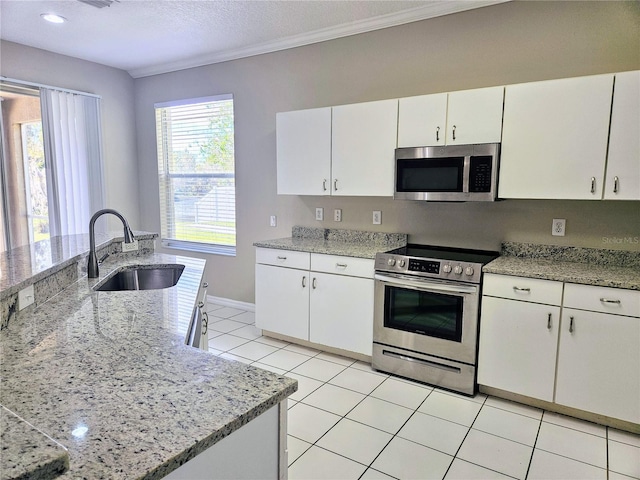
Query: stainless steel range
(427, 305)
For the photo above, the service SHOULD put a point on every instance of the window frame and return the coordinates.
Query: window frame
(167, 221)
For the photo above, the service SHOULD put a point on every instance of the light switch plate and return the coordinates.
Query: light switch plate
(130, 247)
(273, 221)
(26, 297)
(319, 214)
(558, 227)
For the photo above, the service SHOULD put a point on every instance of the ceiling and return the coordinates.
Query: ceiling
(147, 37)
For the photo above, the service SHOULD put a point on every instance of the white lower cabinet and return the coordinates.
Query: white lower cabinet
(341, 312)
(582, 354)
(599, 364)
(518, 342)
(329, 303)
(282, 300)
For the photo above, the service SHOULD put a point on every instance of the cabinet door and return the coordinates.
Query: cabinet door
(623, 164)
(303, 152)
(364, 137)
(518, 342)
(282, 300)
(341, 312)
(599, 364)
(554, 138)
(475, 116)
(422, 120)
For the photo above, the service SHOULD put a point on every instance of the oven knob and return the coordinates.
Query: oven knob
(446, 268)
(401, 263)
(457, 270)
(468, 271)
(391, 262)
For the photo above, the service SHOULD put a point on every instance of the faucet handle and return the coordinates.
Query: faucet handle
(104, 257)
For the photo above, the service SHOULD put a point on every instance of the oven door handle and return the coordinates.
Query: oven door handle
(438, 287)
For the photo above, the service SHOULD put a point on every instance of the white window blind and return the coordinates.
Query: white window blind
(196, 171)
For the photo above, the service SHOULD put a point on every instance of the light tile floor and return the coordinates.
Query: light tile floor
(347, 421)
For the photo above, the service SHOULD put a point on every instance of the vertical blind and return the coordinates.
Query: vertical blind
(196, 173)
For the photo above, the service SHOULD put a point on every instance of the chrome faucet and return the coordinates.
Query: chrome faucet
(92, 264)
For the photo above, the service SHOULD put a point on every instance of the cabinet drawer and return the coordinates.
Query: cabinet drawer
(283, 258)
(533, 290)
(355, 267)
(602, 299)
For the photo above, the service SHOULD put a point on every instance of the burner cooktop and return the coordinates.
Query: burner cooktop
(459, 264)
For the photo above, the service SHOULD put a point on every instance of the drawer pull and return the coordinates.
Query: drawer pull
(281, 258)
(616, 182)
(314, 283)
(341, 265)
(593, 184)
(609, 301)
(570, 324)
(304, 282)
(549, 322)
(522, 289)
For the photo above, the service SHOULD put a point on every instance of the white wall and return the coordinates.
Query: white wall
(118, 115)
(508, 43)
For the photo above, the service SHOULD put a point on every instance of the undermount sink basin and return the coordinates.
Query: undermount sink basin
(143, 277)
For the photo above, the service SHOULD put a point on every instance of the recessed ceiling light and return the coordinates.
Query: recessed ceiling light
(53, 18)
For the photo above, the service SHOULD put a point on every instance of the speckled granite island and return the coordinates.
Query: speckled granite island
(103, 381)
(588, 266)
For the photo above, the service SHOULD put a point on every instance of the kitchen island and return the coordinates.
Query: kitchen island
(107, 375)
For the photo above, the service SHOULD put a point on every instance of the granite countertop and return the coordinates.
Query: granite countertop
(348, 243)
(107, 375)
(599, 267)
(30, 263)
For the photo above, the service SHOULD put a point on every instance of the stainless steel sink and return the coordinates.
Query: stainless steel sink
(143, 277)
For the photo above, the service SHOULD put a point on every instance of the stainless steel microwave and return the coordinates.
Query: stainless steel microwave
(455, 173)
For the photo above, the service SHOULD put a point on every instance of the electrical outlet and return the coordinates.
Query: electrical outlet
(337, 215)
(319, 214)
(377, 217)
(273, 221)
(130, 247)
(558, 226)
(26, 297)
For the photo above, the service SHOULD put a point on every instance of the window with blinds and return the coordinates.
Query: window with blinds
(197, 174)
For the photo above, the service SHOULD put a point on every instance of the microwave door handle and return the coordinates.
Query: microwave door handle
(426, 285)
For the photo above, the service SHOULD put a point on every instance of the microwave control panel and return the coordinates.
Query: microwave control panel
(480, 173)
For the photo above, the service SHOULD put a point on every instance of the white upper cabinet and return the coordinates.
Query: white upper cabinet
(475, 116)
(456, 118)
(623, 164)
(554, 138)
(304, 152)
(364, 138)
(422, 120)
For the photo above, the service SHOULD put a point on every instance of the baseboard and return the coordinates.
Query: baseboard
(227, 302)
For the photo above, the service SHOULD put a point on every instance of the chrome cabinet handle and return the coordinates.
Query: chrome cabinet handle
(205, 321)
(522, 289)
(437, 134)
(335, 184)
(314, 283)
(304, 281)
(281, 258)
(616, 182)
(607, 300)
(341, 265)
(570, 324)
(324, 185)
(593, 184)
(549, 322)
(454, 132)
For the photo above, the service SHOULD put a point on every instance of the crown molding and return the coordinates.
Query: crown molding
(434, 9)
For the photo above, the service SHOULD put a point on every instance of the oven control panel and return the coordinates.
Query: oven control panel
(424, 266)
(434, 268)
